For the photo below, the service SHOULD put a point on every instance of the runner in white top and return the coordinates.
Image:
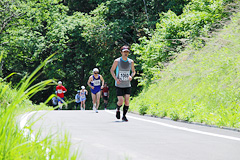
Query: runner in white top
(83, 98)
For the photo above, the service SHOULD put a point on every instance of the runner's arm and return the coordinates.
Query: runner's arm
(133, 69)
(113, 68)
(102, 81)
(65, 90)
(89, 81)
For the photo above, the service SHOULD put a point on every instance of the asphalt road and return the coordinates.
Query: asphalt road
(100, 136)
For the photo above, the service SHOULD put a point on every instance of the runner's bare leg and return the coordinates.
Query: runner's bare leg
(98, 99)
(94, 101)
(84, 105)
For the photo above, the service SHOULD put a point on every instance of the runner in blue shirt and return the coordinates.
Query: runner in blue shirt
(94, 82)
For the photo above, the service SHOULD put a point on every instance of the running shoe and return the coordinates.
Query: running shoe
(124, 119)
(118, 114)
(96, 111)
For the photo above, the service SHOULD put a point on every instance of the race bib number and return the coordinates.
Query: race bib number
(96, 82)
(83, 96)
(59, 91)
(105, 94)
(124, 75)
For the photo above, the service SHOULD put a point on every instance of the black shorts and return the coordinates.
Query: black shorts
(123, 91)
(105, 98)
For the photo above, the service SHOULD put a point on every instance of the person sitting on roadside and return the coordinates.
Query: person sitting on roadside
(77, 100)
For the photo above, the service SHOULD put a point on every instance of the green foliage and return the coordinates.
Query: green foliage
(173, 32)
(84, 6)
(32, 30)
(26, 41)
(14, 142)
(199, 85)
(143, 108)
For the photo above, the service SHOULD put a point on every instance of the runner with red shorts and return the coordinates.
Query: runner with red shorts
(105, 95)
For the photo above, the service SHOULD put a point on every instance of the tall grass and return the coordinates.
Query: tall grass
(14, 143)
(200, 85)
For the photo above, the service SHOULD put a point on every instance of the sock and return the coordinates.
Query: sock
(118, 107)
(125, 109)
(60, 105)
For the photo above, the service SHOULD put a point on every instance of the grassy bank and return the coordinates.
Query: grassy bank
(200, 85)
(14, 142)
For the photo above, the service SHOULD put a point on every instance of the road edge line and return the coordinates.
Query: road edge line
(182, 128)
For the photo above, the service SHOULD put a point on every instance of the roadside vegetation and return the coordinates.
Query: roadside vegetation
(17, 142)
(200, 85)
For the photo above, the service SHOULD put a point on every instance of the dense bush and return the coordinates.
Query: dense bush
(173, 32)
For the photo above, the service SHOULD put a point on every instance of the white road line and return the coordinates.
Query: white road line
(26, 132)
(182, 128)
(23, 122)
(24, 118)
(78, 139)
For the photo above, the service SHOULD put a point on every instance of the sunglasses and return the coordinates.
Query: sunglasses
(95, 72)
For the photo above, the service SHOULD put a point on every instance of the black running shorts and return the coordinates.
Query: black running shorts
(123, 91)
(105, 98)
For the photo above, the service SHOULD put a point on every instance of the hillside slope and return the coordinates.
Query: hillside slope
(200, 85)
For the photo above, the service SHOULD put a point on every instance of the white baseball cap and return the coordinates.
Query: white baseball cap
(125, 49)
(95, 70)
(83, 87)
(59, 82)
